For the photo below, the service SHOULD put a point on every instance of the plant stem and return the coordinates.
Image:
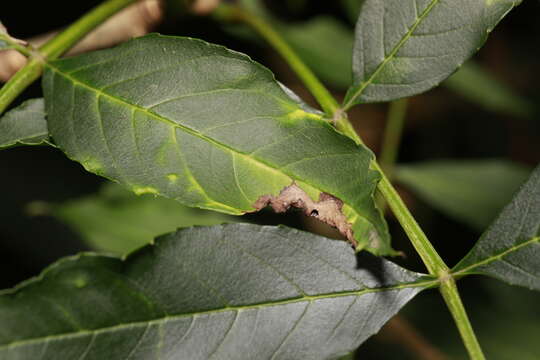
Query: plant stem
(20, 81)
(450, 294)
(434, 263)
(424, 248)
(56, 47)
(418, 238)
(13, 44)
(392, 135)
(69, 37)
(321, 94)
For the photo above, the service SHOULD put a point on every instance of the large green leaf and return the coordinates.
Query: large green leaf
(24, 125)
(510, 248)
(225, 292)
(405, 47)
(118, 221)
(471, 191)
(210, 128)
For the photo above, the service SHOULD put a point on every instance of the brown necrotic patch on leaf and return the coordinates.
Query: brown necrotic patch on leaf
(327, 209)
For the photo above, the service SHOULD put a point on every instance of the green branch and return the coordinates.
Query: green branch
(56, 47)
(15, 45)
(450, 294)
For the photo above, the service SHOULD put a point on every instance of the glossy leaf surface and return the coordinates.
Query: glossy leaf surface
(117, 221)
(24, 125)
(510, 248)
(405, 47)
(225, 292)
(206, 126)
(471, 191)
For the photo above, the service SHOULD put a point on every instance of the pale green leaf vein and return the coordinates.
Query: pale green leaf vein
(498, 256)
(390, 56)
(167, 318)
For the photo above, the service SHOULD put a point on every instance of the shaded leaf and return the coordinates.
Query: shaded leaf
(208, 127)
(226, 292)
(352, 9)
(325, 45)
(510, 248)
(471, 191)
(24, 125)
(481, 88)
(323, 42)
(405, 47)
(117, 221)
(518, 322)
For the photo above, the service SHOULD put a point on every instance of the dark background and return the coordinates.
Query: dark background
(440, 124)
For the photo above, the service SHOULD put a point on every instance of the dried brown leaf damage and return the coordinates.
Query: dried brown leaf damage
(327, 209)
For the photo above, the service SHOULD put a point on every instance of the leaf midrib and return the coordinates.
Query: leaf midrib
(390, 56)
(190, 131)
(415, 284)
(498, 256)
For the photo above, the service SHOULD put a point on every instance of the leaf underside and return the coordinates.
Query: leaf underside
(207, 126)
(405, 47)
(24, 125)
(510, 248)
(225, 292)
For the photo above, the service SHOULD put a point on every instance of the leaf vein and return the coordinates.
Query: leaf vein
(390, 56)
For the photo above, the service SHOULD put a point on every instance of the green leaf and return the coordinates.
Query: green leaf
(209, 127)
(117, 221)
(510, 248)
(24, 125)
(225, 292)
(518, 321)
(325, 45)
(405, 47)
(352, 9)
(471, 191)
(480, 87)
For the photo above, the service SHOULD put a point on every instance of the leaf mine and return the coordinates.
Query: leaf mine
(328, 209)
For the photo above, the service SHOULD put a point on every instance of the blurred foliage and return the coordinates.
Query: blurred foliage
(471, 191)
(117, 221)
(480, 87)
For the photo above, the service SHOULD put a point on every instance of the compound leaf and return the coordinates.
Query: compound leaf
(405, 47)
(24, 125)
(225, 292)
(209, 127)
(510, 248)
